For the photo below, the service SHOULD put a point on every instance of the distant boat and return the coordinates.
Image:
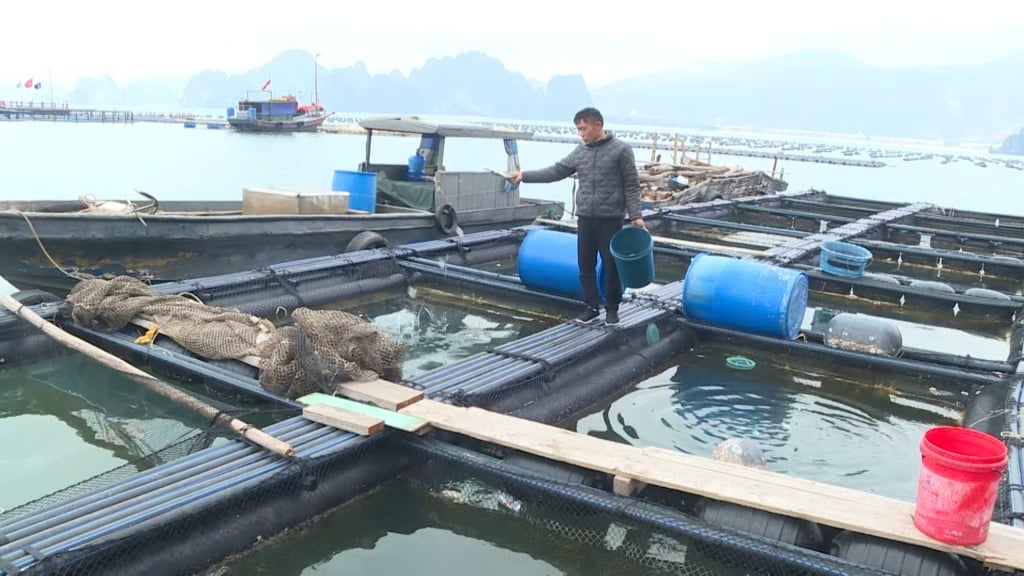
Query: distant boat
(276, 115)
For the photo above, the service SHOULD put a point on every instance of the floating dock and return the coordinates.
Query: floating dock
(490, 410)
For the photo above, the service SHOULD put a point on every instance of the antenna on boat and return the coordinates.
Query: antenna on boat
(316, 90)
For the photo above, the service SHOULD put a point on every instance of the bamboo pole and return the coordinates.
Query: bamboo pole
(152, 383)
(675, 147)
(663, 240)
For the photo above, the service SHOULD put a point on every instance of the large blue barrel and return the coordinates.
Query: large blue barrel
(231, 112)
(361, 188)
(547, 260)
(750, 296)
(633, 250)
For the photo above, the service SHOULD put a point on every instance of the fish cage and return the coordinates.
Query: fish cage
(873, 361)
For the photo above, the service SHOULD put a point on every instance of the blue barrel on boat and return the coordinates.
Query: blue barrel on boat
(231, 112)
(744, 295)
(361, 188)
(416, 165)
(633, 250)
(547, 260)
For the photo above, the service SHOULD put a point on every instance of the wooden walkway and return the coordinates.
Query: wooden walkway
(632, 467)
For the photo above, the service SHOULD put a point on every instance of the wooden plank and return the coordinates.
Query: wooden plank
(392, 419)
(344, 419)
(826, 504)
(381, 393)
(623, 486)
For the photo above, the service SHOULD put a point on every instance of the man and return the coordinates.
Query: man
(608, 189)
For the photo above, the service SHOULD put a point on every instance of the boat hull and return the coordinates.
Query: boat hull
(171, 246)
(298, 124)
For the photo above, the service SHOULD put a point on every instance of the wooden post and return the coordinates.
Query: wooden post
(675, 146)
(775, 163)
(654, 146)
(709, 152)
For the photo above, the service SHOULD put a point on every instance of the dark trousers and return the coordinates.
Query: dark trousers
(594, 235)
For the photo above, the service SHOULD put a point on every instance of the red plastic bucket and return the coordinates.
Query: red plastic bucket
(958, 484)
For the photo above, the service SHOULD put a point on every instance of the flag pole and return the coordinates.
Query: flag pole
(49, 78)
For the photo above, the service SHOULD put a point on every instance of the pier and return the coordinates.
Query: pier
(62, 112)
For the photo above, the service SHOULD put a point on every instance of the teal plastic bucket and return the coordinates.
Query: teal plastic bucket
(361, 188)
(633, 250)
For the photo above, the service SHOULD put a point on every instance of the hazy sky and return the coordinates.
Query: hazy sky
(132, 40)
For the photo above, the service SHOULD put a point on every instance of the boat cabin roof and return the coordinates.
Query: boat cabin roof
(413, 125)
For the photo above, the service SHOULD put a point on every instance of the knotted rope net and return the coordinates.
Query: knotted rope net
(319, 351)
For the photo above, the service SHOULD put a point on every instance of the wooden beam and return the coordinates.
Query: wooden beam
(391, 418)
(349, 420)
(826, 504)
(381, 393)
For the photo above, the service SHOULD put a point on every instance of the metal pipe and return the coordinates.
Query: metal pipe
(147, 480)
(119, 502)
(103, 527)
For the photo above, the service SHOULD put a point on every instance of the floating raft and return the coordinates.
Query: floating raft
(185, 514)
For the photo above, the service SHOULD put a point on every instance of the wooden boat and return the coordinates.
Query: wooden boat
(42, 242)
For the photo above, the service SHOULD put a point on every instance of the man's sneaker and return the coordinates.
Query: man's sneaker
(588, 315)
(611, 317)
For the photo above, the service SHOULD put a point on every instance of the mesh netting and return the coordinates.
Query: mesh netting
(193, 442)
(321, 349)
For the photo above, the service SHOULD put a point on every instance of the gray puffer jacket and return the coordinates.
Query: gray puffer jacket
(608, 182)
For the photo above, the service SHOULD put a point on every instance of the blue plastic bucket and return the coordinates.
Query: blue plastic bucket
(547, 260)
(633, 250)
(842, 259)
(361, 188)
(751, 296)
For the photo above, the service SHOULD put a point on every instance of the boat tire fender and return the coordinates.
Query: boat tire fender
(446, 219)
(711, 196)
(366, 240)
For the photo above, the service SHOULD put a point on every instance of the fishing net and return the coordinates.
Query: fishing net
(320, 350)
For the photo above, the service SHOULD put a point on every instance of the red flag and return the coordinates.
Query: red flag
(28, 83)
(265, 84)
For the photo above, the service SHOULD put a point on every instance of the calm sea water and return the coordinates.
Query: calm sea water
(59, 421)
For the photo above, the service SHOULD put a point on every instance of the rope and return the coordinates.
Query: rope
(1013, 438)
(76, 275)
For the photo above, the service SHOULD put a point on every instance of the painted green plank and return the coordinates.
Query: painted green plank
(391, 419)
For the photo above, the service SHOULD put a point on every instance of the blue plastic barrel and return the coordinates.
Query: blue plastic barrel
(190, 124)
(416, 165)
(744, 295)
(231, 112)
(361, 188)
(547, 260)
(633, 250)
